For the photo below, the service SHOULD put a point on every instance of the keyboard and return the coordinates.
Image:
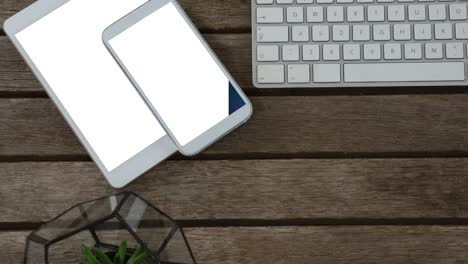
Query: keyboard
(349, 43)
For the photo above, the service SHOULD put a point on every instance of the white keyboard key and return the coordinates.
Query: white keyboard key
(422, 32)
(372, 52)
(365, 1)
(264, 2)
(299, 73)
(375, 13)
(355, 13)
(458, 12)
(273, 34)
(437, 12)
(426, 0)
(385, 1)
(327, 73)
(290, 52)
(314, 14)
(335, 14)
(461, 31)
(311, 52)
(300, 33)
(304, 1)
(401, 32)
(320, 33)
(345, 1)
(404, 72)
(413, 51)
(405, 1)
(416, 12)
(270, 73)
(324, 1)
(268, 53)
(396, 13)
(269, 15)
(341, 33)
(295, 14)
(351, 52)
(331, 52)
(392, 51)
(382, 32)
(284, 2)
(443, 31)
(454, 50)
(361, 32)
(434, 51)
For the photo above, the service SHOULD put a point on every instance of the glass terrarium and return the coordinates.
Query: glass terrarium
(103, 225)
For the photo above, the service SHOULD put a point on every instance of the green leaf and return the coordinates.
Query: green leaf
(137, 252)
(139, 259)
(101, 256)
(122, 251)
(116, 259)
(89, 257)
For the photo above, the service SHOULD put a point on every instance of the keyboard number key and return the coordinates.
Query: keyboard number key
(268, 53)
(299, 73)
(270, 73)
(311, 53)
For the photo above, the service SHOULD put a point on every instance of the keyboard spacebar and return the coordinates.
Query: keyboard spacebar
(404, 72)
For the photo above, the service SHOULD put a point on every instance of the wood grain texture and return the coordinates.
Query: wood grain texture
(251, 189)
(232, 49)
(207, 15)
(321, 126)
(304, 245)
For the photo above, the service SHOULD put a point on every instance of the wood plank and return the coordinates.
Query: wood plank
(252, 189)
(304, 245)
(207, 15)
(320, 126)
(232, 49)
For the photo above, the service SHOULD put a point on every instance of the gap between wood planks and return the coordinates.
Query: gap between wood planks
(225, 223)
(254, 156)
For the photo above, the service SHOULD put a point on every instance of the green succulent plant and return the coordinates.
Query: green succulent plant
(97, 256)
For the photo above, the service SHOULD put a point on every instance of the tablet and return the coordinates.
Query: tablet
(189, 90)
(61, 40)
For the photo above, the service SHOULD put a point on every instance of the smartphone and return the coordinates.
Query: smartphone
(191, 93)
(61, 40)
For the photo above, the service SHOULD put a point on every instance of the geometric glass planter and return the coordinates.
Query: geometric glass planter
(104, 223)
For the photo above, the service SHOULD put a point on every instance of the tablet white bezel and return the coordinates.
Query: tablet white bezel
(129, 170)
(213, 134)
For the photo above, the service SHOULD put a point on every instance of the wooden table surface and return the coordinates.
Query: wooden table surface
(316, 176)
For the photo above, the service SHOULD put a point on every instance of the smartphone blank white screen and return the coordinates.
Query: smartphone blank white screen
(176, 73)
(66, 47)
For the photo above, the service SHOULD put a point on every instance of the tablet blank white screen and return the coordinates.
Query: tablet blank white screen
(66, 47)
(176, 72)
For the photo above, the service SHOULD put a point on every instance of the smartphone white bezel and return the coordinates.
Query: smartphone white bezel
(211, 135)
(129, 170)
